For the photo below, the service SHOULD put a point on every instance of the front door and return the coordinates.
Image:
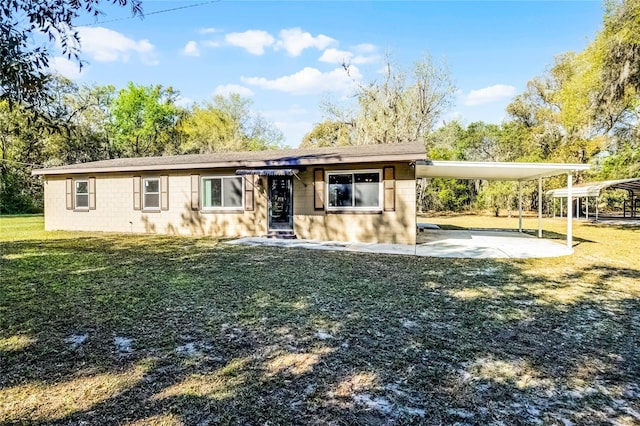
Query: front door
(281, 203)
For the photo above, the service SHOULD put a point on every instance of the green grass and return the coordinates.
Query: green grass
(226, 334)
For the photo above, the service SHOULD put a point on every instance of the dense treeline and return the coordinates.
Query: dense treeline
(585, 108)
(90, 123)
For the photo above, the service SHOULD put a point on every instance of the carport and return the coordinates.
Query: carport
(519, 172)
(594, 189)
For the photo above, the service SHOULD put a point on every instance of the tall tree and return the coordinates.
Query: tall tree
(587, 105)
(228, 124)
(144, 121)
(621, 60)
(611, 71)
(402, 107)
(21, 148)
(327, 133)
(84, 125)
(24, 63)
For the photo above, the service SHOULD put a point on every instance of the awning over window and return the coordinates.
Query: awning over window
(267, 172)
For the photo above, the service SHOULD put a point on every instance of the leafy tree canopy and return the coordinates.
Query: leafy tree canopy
(327, 133)
(228, 124)
(24, 64)
(144, 121)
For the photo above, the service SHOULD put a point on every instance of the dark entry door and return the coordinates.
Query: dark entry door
(280, 203)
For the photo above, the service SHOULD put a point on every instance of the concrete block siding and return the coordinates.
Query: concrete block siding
(114, 210)
(385, 227)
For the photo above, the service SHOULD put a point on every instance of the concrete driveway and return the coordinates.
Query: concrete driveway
(488, 244)
(438, 243)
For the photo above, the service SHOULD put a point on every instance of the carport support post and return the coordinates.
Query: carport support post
(597, 209)
(561, 207)
(540, 207)
(569, 211)
(586, 204)
(519, 206)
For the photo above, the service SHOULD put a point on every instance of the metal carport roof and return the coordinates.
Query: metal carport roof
(592, 189)
(503, 171)
(487, 170)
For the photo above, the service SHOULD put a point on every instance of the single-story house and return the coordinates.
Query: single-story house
(354, 193)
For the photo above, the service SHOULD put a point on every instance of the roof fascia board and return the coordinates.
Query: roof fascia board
(238, 164)
(555, 172)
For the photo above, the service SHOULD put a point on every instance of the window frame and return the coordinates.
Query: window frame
(222, 207)
(75, 194)
(144, 193)
(353, 208)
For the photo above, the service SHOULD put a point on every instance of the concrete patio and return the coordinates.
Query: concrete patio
(438, 243)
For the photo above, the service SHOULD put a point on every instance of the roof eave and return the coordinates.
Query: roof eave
(287, 162)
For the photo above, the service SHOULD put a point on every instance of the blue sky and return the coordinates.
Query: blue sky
(286, 55)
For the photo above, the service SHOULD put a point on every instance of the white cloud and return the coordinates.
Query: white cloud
(104, 45)
(191, 49)
(254, 41)
(227, 89)
(489, 94)
(65, 67)
(309, 81)
(365, 48)
(294, 41)
(210, 43)
(360, 59)
(335, 56)
(209, 30)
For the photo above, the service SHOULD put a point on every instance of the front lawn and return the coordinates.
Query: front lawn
(133, 329)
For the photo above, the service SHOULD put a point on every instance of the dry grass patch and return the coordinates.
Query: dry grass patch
(217, 385)
(16, 343)
(41, 401)
(295, 363)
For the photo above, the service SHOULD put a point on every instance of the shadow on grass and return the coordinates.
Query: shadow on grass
(551, 235)
(626, 227)
(243, 335)
(447, 227)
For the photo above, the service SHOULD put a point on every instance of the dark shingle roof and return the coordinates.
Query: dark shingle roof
(279, 158)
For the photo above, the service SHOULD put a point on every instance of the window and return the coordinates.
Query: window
(354, 190)
(222, 193)
(151, 194)
(82, 194)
